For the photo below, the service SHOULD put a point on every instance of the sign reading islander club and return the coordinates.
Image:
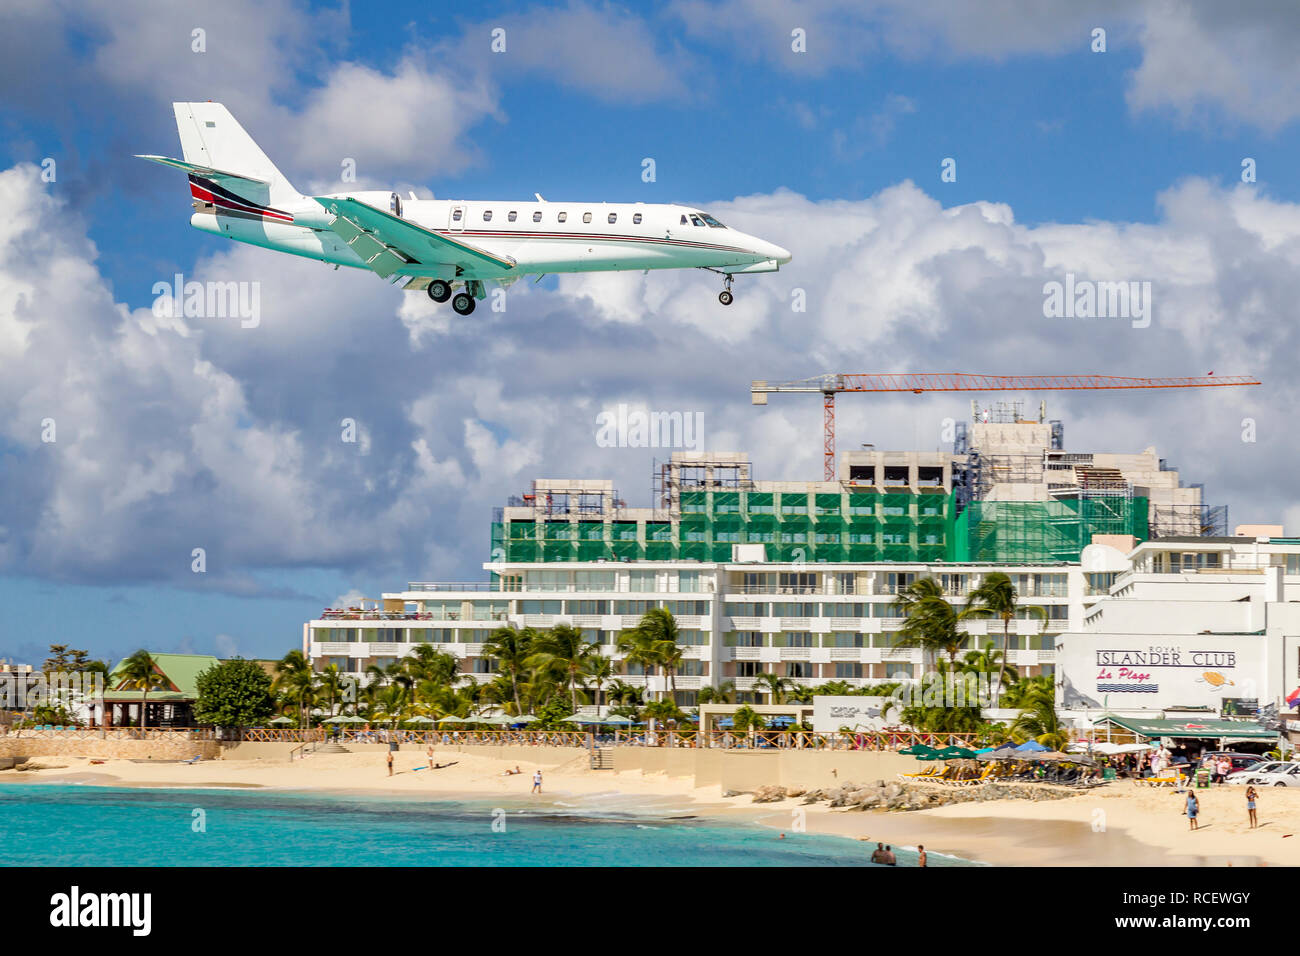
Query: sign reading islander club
(1119, 670)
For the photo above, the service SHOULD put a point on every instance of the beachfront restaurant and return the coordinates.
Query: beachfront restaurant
(1193, 736)
(170, 704)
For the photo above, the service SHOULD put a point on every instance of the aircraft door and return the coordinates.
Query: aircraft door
(456, 217)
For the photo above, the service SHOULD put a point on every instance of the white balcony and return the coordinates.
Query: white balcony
(744, 624)
(795, 623)
(746, 653)
(795, 653)
(847, 624)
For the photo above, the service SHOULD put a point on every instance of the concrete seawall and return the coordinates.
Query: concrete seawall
(179, 749)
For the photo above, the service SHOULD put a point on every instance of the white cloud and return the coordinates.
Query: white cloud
(173, 436)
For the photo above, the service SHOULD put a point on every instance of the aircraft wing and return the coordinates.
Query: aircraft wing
(207, 172)
(387, 244)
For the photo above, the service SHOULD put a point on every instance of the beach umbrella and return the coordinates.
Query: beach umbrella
(1031, 746)
(283, 720)
(955, 753)
(329, 720)
(918, 750)
(451, 719)
(523, 719)
(583, 719)
(622, 721)
(420, 719)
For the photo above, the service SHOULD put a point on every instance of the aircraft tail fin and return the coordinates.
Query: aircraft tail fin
(212, 138)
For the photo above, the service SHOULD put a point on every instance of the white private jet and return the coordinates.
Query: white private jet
(452, 249)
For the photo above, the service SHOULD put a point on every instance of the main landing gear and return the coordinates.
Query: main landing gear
(725, 296)
(462, 302)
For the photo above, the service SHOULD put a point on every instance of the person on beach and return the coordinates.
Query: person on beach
(1251, 797)
(390, 763)
(430, 753)
(537, 782)
(920, 856)
(1193, 808)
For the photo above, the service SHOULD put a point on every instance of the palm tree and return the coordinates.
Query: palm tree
(511, 647)
(653, 644)
(930, 621)
(139, 672)
(294, 681)
(599, 669)
(996, 596)
(747, 718)
(986, 662)
(1040, 721)
(331, 684)
(621, 692)
(427, 663)
(774, 686)
(564, 650)
(724, 693)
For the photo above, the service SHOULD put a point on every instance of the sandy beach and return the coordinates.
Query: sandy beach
(1121, 824)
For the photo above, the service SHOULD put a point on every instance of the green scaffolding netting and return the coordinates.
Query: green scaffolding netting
(855, 526)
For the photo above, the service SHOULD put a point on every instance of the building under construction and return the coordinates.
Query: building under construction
(1008, 492)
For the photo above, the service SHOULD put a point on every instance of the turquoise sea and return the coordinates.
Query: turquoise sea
(75, 825)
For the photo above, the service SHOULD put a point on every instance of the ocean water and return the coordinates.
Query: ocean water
(74, 825)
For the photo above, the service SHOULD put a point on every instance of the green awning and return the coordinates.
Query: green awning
(1242, 730)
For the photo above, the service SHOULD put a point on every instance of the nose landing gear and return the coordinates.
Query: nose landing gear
(725, 296)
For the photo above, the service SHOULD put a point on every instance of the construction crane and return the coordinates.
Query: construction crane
(917, 382)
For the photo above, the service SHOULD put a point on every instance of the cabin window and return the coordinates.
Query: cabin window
(537, 216)
(564, 216)
(586, 217)
(512, 216)
(613, 218)
(636, 219)
(455, 215)
(696, 220)
(487, 215)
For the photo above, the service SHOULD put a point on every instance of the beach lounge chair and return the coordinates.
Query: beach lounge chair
(195, 759)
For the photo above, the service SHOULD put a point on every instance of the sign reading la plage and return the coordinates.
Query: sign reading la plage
(1191, 670)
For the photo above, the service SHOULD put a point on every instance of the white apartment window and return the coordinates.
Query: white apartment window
(799, 639)
(1293, 564)
(749, 639)
(688, 581)
(641, 581)
(846, 583)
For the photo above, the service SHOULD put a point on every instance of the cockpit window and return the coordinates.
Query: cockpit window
(696, 220)
(711, 221)
(684, 220)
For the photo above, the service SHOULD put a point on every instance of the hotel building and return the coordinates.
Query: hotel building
(795, 578)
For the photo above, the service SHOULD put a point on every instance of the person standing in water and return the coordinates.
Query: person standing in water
(1251, 797)
(920, 856)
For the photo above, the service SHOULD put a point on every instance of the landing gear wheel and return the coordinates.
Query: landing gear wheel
(463, 303)
(439, 291)
(725, 297)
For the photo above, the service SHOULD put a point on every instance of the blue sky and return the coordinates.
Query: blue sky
(1117, 164)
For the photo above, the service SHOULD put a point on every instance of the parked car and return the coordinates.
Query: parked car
(1240, 761)
(1268, 773)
